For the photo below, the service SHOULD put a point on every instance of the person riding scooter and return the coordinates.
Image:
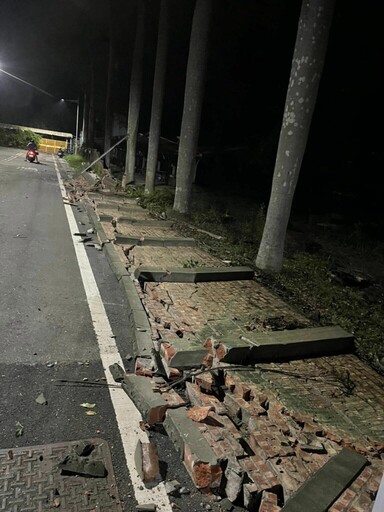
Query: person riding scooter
(32, 146)
(60, 153)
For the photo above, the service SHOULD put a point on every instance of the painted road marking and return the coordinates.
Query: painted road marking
(127, 416)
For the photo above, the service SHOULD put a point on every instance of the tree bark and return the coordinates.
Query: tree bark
(157, 98)
(91, 110)
(193, 100)
(306, 69)
(135, 96)
(108, 107)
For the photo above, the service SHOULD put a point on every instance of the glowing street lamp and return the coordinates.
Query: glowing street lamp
(77, 120)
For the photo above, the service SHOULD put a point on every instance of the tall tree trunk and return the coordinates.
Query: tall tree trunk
(157, 98)
(84, 127)
(135, 96)
(85, 118)
(193, 100)
(307, 65)
(91, 111)
(108, 106)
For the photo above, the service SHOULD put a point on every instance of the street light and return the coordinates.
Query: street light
(77, 120)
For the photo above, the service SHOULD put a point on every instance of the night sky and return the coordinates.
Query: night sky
(52, 44)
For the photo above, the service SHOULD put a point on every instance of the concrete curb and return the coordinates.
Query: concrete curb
(193, 275)
(91, 178)
(152, 406)
(146, 222)
(196, 453)
(156, 241)
(139, 327)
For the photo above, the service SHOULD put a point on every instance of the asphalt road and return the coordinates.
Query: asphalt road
(46, 329)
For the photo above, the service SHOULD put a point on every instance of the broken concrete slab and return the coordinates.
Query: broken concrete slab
(322, 489)
(280, 345)
(155, 241)
(150, 404)
(196, 453)
(131, 208)
(115, 262)
(234, 475)
(147, 464)
(301, 343)
(183, 353)
(146, 222)
(139, 327)
(193, 275)
(104, 217)
(91, 178)
(233, 349)
(117, 372)
(103, 207)
(95, 223)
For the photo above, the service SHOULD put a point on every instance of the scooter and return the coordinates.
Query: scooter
(32, 155)
(60, 153)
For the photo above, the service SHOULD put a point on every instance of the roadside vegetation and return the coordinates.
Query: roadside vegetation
(76, 162)
(17, 138)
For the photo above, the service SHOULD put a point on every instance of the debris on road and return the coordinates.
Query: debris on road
(150, 507)
(172, 488)
(84, 448)
(19, 429)
(147, 464)
(117, 372)
(72, 464)
(41, 400)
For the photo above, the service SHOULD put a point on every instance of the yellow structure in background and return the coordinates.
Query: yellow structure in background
(51, 146)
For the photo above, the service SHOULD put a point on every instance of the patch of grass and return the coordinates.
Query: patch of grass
(77, 162)
(306, 282)
(158, 202)
(17, 138)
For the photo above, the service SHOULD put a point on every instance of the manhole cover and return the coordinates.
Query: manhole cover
(30, 480)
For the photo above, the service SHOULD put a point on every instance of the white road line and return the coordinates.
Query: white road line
(127, 416)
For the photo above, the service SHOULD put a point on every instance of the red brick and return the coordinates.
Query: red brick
(173, 398)
(196, 397)
(197, 413)
(167, 351)
(142, 370)
(203, 474)
(149, 464)
(227, 423)
(220, 352)
(269, 446)
(269, 502)
(205, 381)
(230, 382)
(346, 498)
(221, 441)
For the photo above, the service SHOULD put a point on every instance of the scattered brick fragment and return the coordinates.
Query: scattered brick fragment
(197, 413)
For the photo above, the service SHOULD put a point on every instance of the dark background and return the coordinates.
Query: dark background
(52, 44)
